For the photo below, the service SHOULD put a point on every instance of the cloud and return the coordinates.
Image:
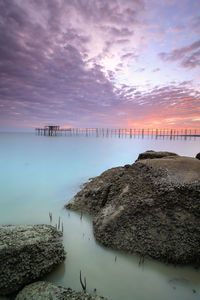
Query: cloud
(64, 62)
(156, 70)
(161, 105)
(140, 70)
(42, 79)
(189, 56)
(129, 56)
(195, 23)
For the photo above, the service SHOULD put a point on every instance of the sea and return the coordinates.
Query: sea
(40, 174)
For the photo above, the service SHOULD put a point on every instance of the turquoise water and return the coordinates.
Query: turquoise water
(40, 174)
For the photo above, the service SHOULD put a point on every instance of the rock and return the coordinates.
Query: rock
(151, 208)
(44, 290)
(150, 154)
(26, 254)
(198, 155)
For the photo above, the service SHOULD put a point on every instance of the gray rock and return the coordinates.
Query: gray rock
(44, 290)
(198, 155)
(150, 154)
(151, 208)
(26, 254)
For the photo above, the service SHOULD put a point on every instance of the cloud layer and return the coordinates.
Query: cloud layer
(89, 63)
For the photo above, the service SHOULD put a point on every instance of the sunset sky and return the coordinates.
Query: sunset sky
(99, 63)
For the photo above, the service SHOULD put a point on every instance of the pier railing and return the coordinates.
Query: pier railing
(120, 132)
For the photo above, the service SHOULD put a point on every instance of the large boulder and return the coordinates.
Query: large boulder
(47, 291)
(151, 207)
(26, 254)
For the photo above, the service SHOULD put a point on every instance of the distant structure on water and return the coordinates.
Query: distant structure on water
(56, 130)
(50, 130)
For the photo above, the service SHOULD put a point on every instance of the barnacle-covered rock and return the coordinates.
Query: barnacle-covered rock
(47, 291)
(151, 207)
(26, 254)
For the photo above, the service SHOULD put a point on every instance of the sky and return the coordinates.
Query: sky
(99, 63)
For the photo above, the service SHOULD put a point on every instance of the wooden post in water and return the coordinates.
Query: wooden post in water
(156, 133)
(185, 134)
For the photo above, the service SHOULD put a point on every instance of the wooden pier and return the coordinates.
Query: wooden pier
(55, 130)
(52, 130)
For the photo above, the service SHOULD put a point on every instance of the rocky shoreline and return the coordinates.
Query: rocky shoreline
(151, 207)
(27, 253)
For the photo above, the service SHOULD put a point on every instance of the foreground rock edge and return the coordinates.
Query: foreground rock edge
(123, 217)
(44, 290)
(27, 253)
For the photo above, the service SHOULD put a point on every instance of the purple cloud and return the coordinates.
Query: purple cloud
(189, 56)
(156, 70)
(64, 62)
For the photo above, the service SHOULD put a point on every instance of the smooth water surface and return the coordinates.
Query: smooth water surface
(40, 174)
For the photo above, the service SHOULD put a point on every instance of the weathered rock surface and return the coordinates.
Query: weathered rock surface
(150, 154)
(26, 254)
(46, 291)
(151, 207)
(198, 155)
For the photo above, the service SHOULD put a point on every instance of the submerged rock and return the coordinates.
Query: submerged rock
(151, 207)
(26, 254)
(44, 290)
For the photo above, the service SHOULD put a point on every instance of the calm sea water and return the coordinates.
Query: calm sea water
(40, 174)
